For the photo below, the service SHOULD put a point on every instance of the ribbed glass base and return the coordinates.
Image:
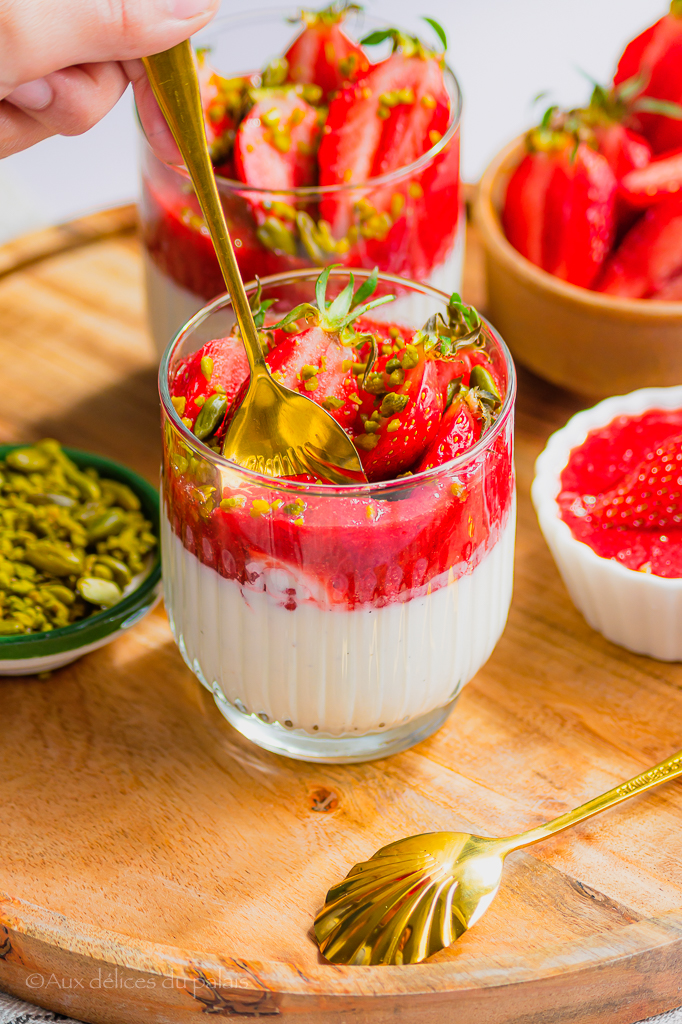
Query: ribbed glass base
(326, 749)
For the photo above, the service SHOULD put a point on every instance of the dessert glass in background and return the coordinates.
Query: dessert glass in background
(633, 608)
(422, 238)
(336, 623)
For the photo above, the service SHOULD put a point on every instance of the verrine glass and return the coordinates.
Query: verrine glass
(408, 222)
(336, 623)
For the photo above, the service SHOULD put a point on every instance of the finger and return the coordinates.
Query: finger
(152, 120)
(18, 130)
(71, 101)
(41, 36)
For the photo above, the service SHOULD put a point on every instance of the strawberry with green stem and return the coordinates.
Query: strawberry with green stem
(560, 204)
(319, 361)
(651, 65)
(469, 411)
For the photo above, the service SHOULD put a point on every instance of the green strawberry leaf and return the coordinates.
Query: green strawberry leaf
(651, 105)
(305, 311)
(321, 289)
(439, 30)
(380, 36)
(361, 310)
(258, 307)
(631, 87)
(366, 289)
(341, 305)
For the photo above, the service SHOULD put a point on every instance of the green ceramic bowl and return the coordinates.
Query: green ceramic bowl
(42, 652)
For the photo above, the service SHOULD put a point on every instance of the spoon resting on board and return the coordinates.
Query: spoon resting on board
(274, 431)
(418, 895)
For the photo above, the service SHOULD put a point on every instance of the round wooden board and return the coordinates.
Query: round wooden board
(156, 866)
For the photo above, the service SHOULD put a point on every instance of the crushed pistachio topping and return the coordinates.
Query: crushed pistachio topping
(331, 403)
(393, 403)
(70, 541)
(233, 501)
(207, 367)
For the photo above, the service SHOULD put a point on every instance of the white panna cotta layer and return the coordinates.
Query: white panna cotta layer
(337, 672)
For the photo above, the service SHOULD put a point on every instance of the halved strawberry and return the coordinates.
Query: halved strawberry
(650, 184)
(219, 368)
(523, 216)
(671, 290)
(415, 116)
(403, 423)
(323, 54)
(386, 120)
(649, 256)
(624, 149)
(318, 365)
(207, 382)
(277, 141)
(223, 102)
(650, 497)
(458, 430)
(319, 360)
(579, 216)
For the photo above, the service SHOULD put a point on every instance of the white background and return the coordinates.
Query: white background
(504, 52)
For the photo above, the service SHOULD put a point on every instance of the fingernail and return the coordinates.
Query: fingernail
(186, 9)
(32, 95)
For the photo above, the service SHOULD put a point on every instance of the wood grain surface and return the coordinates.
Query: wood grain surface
(155, 865)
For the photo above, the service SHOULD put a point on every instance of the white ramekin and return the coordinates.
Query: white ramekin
(634, 609)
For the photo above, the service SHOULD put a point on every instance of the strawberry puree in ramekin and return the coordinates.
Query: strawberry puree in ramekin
(610, 574)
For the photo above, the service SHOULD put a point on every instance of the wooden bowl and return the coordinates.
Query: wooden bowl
(597, 345)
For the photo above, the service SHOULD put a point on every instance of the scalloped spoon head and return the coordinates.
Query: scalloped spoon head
(411, 899)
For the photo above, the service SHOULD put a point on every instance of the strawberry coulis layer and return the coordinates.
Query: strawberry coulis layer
(599, 465)
(419, 241)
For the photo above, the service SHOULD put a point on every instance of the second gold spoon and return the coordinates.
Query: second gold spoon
(418, 895)
(275, 431)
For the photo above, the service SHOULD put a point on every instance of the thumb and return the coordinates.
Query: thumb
(41, 36)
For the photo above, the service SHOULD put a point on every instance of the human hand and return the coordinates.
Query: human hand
(64, 65)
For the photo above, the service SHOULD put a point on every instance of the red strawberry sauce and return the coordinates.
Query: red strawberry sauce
(607, 456)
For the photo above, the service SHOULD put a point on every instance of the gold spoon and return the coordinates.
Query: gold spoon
(275, 431)
(418, 895)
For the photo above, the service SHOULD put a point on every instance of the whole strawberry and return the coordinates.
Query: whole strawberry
(653, 64)
(650, 497)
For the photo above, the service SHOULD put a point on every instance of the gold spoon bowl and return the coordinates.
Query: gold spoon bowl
(418, 895)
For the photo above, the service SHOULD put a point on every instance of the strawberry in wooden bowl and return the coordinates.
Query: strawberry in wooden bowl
(340, 623)
(339, 145)
(582, 228)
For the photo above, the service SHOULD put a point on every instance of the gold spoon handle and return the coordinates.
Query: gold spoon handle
(173, 79)
(669, 769)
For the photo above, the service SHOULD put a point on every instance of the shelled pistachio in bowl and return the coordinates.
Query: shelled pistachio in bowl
(78, 554)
